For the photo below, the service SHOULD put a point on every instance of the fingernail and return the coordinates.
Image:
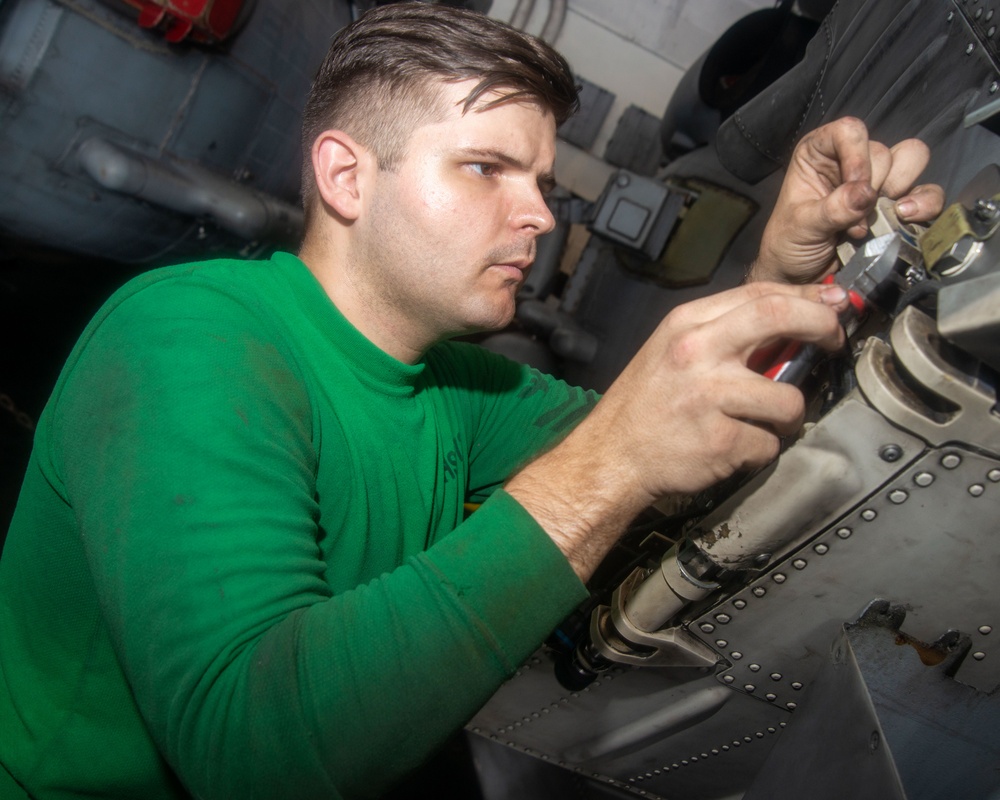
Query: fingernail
(904, 208)
(833, 295)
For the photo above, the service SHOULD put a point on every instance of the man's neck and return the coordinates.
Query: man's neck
(377, 324)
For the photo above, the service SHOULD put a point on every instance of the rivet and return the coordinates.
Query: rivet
(771, 696)
(969, 48)
(725, 748)
(800, 563)
(844, 533)
(737, 655)
(989, 15)
(775, 676)
(951, 460)
(740, 604)
(778, 577)
(704, 755)
(994, 86)
(747, 739)
(685, 762)
(759, 591)
(991, 31)
(976, 489)
(796, 685)
(985, 630)
(822, 549)
(675, 766)
(791, 706)
(722, 618)
(869, 514)
(707, 627)
(754, 667)
(721, 643)
(772, 730)
(994, 475)
(782, 724)
(951, 16)
(728, 678)
(898, 496)
(923, 479)
(759, 734)
(979, 656)
(736, 742)
(979, 13)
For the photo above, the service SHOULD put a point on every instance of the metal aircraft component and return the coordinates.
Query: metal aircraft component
(830, 469)
(893, 721)
(911, 398)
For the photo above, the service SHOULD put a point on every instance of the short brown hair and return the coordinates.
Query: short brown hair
(377, 82)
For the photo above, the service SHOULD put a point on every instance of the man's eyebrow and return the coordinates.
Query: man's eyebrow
(546, 180)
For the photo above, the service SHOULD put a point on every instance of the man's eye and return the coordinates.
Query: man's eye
(486, 170)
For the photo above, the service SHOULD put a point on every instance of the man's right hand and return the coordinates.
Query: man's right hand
(685, 413)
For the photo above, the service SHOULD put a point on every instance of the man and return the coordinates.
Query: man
(239, 566)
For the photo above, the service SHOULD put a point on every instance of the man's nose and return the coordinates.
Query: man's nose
(533, 212)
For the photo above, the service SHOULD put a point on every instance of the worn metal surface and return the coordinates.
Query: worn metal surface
(926, 540)
(893, 722)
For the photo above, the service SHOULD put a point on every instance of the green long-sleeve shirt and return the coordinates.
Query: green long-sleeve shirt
(240, 566)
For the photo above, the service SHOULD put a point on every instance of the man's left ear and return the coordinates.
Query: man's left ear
(338, 163)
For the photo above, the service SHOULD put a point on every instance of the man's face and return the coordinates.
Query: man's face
(447, 238)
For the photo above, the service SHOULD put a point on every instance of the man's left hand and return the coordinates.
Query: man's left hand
(832, 184)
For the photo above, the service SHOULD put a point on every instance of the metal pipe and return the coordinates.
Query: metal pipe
(554, 22)
(522, 13)
(191, 190)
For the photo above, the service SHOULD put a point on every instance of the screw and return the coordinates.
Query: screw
(986, 209)
(891, 452)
